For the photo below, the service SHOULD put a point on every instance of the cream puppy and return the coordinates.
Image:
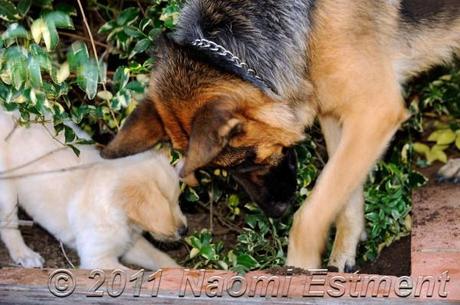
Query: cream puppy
(98, 207)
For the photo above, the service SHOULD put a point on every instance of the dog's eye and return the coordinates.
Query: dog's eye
(232, 157)
(242, 169)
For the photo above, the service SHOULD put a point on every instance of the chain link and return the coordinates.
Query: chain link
(223, 52)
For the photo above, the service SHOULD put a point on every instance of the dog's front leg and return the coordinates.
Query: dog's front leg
(145, 255)
(350, 221)
(20, 253)
(365, 134)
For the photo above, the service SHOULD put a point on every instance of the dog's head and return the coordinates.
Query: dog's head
(218, 120)
(149, 194)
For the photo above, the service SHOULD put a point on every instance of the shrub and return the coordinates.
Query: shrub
(52, 69)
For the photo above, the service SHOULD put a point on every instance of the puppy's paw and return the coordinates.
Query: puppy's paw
(172, 265)
(450, 172)
(27, 258)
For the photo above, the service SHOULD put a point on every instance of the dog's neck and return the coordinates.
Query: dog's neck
(270, 36)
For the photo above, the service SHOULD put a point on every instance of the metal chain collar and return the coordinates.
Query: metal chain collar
(223, 52)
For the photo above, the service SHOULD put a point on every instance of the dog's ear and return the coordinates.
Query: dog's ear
(142, 130)
(213, 127)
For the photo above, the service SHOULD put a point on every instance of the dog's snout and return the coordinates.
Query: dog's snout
(183, 231)
(277, 210)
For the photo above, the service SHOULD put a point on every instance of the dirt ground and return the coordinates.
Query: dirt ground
(394, 260)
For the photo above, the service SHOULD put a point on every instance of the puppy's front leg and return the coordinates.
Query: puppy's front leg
(19, 252)
(145, 255)
(366, 133)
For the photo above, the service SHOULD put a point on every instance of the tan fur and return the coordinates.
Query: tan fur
(359, 54)
(100, 208)
(356, 87)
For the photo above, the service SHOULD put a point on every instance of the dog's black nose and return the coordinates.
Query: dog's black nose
(183, 231)
(276, 209)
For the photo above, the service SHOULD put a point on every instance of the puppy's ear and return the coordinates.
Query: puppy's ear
(213, 127)
(142, 130)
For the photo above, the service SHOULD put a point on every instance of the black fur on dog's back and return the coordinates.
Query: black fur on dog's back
(269, 35)
(423, 11)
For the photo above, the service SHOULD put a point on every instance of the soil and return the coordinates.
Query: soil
(394, 260)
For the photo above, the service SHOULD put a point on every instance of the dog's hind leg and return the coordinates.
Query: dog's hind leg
(98, 252)
(350, 221)
(145, 255)
(450, 172)
(19, 252)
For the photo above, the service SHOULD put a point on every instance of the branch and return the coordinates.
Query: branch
(93, 44)
(75, 36)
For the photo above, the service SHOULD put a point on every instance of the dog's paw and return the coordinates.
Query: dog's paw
(342, 263)
(450, 172)
(27, 258)
(363, 236)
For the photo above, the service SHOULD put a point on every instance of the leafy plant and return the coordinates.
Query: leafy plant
(52, 70)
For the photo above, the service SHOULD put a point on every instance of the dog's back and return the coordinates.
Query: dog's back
(428, 34)
(84, 201)
(47, 183)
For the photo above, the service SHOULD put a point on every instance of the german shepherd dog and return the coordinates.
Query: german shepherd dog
(239, 81)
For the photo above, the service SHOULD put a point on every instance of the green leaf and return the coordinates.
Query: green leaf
(154, 34)
(35, 74)
(63, 73)
(421, 148)
(434, 136)
(69, 134)
(87, 77)
(75, 150)
(67, 8)
(136, 86)
(50, 36)
(247, 261)
(17, 63)
(59, 20)
(77, 55)
(107, 27)
(24, 6)
(208, 252)
(8, 11)
(170, 16)
(128, 16)
(15, 31)
(191, 195)
(53, 20)
(121, 78)
(194, 242)
(121, 100)
(142, 45)
(102, 71)
(41, 56)
(133, 32)
(233, 200)
(446, 137)
(437, 154)
(194, 253)
(457, 142)
(145, 23)
(43, 3)
(38, 28)
(105, 95)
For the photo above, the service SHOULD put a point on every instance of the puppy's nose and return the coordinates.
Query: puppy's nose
(183, 231)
